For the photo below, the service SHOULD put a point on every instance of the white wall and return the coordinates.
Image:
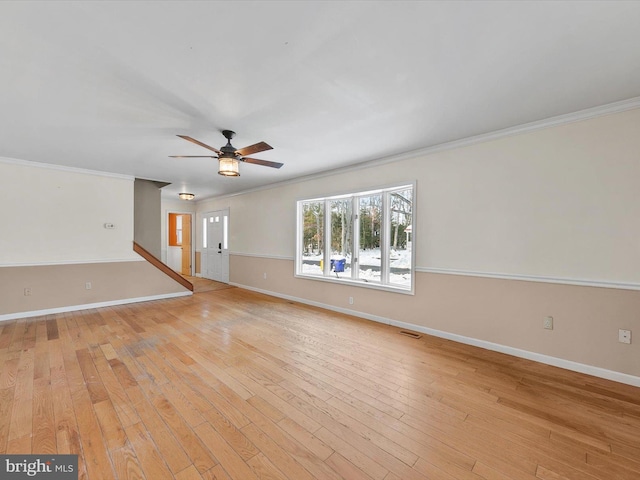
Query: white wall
(560, 203)
(557, 206)
(53, 242)
(53, 215)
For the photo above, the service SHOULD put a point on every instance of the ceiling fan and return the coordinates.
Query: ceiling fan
(228, 156)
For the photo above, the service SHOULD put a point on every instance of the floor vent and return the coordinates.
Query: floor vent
(409, 334)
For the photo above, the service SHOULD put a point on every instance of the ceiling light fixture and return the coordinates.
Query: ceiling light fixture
(186, 196)
(229, 157)
(228, 166)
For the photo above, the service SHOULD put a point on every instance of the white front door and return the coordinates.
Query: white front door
(215, 248)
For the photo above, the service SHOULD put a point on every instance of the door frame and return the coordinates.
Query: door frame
(204, 215)
(193, 237)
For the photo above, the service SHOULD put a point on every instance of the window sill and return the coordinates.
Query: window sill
(405, 290)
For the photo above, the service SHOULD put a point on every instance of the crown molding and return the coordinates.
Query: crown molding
(558, 120)
(63, 168)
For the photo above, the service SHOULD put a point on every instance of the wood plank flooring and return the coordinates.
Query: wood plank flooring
(230, 384)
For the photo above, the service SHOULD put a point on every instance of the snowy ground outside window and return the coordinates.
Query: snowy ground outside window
(400, 265)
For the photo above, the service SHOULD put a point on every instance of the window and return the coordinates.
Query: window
(370, 236)
(312, 233)
(204, 233)
(225, 232)
(341, 235)
(362, 238)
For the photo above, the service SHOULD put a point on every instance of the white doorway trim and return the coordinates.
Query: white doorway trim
(214, 255)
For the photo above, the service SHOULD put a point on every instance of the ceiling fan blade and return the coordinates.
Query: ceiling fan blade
(251, 149)
(192, 156)
(193, 140)
(265, 163)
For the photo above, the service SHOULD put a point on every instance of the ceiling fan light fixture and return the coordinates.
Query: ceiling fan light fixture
(228, 167)
(186, 196)
(229, 157)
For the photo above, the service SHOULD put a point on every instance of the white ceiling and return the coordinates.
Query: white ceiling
(108, 85)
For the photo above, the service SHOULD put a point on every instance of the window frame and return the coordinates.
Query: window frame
(385, 238)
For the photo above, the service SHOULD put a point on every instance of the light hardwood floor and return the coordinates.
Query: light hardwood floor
(230, 384)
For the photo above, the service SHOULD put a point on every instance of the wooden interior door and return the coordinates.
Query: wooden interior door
(186, 245)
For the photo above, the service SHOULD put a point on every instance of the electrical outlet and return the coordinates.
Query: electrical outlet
(264, 275)
(87, 285)
(27, 292)
(548, 323)
(350, 300)
(624, 336)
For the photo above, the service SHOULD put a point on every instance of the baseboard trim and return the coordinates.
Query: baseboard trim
(74, 308)
(517, 352)
(496, 347)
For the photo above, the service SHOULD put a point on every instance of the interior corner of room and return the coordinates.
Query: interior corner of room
(507, 234)
(363, 240)
(523, 158)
